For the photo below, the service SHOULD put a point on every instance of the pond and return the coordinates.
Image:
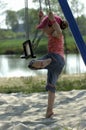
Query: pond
(14, 66)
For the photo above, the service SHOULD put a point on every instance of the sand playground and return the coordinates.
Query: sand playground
(27, 111)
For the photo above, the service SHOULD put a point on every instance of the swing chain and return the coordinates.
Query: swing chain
(47, 2)
(40, 4)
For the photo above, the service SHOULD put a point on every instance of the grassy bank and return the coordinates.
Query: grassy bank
(14, 46)
(37, 84)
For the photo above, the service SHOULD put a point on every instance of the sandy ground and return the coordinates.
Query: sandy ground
(27, 112)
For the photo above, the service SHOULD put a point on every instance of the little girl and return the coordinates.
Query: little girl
(52, 25)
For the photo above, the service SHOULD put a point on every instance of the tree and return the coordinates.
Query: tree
(53, 4)
(77, 7)
(11, 20)
(32, 18)
(3, 7)
(21, 15)
(82, 24)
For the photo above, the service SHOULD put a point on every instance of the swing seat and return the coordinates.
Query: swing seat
(24, 57)
(28, 51)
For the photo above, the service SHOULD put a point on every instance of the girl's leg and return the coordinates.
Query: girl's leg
(51, 98)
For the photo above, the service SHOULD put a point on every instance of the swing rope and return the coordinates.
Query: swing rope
(47, 2)
(40, 5)
(28, 46)
(36, 38)
(35, 44)
(36, 33)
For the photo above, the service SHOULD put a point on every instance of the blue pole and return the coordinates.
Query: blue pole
(74, 28)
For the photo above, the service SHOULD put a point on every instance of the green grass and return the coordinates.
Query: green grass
(25, 85)
(13, 45)
(37, 84)
(42, 47)
(71, 46)
(70, 84)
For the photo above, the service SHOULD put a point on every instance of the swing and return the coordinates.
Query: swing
(28, 45)
(42, 63)
(28, 50)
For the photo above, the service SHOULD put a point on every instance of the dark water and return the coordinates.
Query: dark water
(14, 66)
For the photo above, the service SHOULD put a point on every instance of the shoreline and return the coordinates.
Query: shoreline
(43, 77)
(34, 84)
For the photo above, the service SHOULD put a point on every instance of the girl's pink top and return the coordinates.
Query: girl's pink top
(56, 45)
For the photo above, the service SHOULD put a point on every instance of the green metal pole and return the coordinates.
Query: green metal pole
(26, 20)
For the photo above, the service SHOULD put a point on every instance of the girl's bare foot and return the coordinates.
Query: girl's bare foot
(49, 114)
(39, 64)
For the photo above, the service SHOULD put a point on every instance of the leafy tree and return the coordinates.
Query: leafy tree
(21, 15)
(53, 4)
(81, 23)
(11, 20)
(3, 7)
(32, 18)
(77, 7)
